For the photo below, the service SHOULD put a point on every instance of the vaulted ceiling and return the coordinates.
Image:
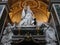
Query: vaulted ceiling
(11, 2)
(39, 8)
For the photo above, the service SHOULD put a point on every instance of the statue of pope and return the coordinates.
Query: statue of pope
(27, 17)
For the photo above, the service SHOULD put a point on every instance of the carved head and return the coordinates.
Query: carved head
(8, 24)
(25, 7)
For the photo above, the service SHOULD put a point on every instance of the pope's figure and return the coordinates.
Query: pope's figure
(27, 17)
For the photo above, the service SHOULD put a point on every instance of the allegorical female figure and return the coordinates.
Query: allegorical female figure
(7, 35)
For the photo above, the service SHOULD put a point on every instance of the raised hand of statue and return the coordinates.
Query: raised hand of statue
(24, 12)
